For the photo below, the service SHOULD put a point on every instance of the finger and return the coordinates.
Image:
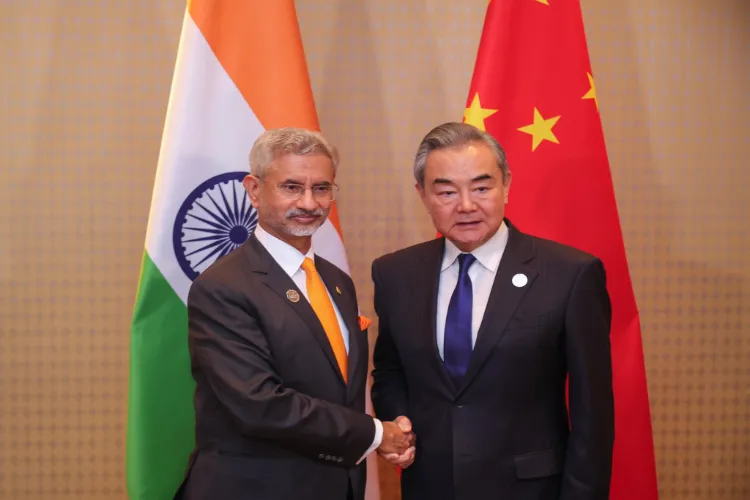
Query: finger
(408, 454)
(403, 423)
(412, 456)
(406, 459)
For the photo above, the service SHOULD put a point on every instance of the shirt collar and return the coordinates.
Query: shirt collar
(289, 258)
(489, 254)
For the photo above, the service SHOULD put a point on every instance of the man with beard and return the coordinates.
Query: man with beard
(277, 350)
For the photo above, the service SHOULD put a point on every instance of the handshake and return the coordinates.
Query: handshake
(399, 442)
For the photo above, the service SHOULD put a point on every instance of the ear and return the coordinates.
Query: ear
(506, 186)
(252, 185)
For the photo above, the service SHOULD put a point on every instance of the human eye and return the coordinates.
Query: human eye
(322, 189)
(483, 190)
(289, 188)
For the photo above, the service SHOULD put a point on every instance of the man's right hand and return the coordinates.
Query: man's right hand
(405, 459)
(395, 440)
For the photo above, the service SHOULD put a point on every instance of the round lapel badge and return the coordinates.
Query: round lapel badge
(292, 295)
(520, 280)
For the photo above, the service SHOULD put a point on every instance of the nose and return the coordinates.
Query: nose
(307, 201)
(465, 202)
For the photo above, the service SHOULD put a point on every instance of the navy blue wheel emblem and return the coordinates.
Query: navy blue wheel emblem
(214, 219)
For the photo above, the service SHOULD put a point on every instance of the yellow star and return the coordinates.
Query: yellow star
(475, 114)
(541, 129)
(545, 2)
(591, 94)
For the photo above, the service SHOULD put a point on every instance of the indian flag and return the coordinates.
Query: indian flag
(240, 70)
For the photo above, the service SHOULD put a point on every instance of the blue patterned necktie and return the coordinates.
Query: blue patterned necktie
(457, 344)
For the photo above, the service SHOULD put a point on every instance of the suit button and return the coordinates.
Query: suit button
(459, 406)
(328, 457)
(321, 456)
(340, 459)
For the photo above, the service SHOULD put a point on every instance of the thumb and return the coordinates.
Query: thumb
(404, 424)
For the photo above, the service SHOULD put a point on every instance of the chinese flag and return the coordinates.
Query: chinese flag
(533, 90)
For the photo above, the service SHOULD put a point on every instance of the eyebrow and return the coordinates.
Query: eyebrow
(296, 182)
(478, 178)
(442, 181)
(482, 177)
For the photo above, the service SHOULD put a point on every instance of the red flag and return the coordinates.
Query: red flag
(533, 90)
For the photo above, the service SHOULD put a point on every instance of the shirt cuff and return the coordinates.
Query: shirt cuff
(376, 440)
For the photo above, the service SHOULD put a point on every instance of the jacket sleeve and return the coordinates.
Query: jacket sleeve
(389, 390)
(588, 462)
(230, 350)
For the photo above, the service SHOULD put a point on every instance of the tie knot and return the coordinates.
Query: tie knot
(465, 260)
(308, 265)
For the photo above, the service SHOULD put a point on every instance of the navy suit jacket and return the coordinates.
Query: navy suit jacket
(504, 431)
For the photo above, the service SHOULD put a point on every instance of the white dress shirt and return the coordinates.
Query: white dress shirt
(290, 259)
(482, 274)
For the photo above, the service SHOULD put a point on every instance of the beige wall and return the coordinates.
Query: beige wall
(82, 102)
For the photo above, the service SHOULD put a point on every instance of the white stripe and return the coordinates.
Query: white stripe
(327, 243)
(209, 130)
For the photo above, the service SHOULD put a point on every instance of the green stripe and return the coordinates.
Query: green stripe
(160, 407)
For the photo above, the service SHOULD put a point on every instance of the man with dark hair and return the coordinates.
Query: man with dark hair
(479, 331)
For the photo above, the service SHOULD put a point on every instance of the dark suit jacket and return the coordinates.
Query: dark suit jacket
(274, 418)
(504, 432)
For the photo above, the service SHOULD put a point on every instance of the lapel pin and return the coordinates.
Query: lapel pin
(338, 290)
(292, 295)
(520, 280)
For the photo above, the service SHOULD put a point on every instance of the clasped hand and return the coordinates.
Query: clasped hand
(399, 442)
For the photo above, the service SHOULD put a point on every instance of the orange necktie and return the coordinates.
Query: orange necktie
(321, 304)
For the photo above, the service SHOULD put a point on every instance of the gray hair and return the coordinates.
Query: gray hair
(274, 143)
(454, 134)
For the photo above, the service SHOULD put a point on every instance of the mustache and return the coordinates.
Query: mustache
(298, 212)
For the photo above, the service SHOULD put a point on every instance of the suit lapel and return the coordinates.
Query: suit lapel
(278, 281)
(428, 295)
(348, 310)
(503, 301)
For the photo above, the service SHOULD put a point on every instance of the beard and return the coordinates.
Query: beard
(286, 224)
(307, 229)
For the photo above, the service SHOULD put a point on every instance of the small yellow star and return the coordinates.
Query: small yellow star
(591, 94)
(545, 2)
(475, 114)
(541, 129)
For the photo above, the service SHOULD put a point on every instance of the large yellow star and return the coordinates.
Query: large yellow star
(541, 129)
(475, 114)
(591, 94)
